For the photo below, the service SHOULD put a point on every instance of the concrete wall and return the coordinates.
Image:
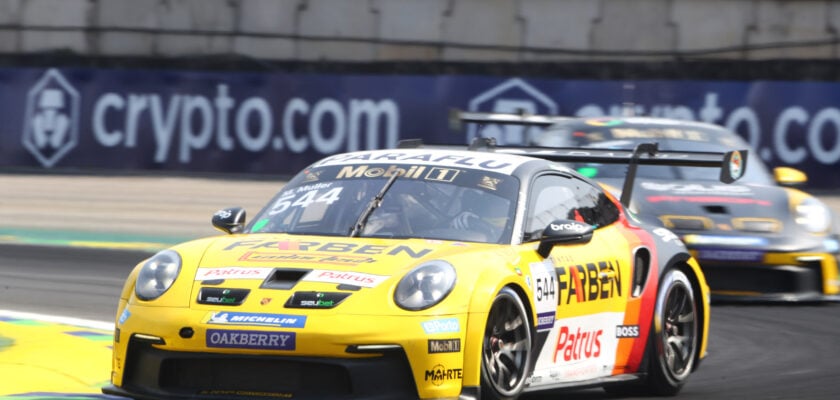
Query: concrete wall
(427, 30)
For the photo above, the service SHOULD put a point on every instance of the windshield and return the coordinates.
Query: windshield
(669, 138)
(423, 202)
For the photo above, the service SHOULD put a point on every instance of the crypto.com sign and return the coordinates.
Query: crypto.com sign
(511, 96)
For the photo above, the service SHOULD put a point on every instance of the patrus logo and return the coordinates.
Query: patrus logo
(51, 124)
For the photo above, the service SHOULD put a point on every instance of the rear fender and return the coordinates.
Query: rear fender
(672, 253)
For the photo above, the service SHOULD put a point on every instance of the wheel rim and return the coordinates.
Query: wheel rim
(507, 346)
(679, 331)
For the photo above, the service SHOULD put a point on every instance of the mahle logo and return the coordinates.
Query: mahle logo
(512, 96)
(51, 125)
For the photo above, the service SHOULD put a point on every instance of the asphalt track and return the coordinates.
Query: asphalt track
(57, 258)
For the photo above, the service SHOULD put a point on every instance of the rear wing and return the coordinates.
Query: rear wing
(732, 164)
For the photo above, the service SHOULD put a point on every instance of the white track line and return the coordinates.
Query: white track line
(84, 323)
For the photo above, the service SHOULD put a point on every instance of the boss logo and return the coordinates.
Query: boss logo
(627, 331)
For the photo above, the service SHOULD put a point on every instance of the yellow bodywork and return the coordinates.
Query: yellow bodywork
(369, 316)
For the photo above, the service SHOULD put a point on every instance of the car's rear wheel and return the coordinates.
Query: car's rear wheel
(675, 337)
(506, 349)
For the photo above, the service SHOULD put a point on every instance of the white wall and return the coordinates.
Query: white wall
(426, 30)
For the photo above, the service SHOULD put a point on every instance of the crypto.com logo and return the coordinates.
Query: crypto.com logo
(50, 128)
(511, 96)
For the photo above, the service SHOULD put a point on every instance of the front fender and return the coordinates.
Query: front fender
(487, 286)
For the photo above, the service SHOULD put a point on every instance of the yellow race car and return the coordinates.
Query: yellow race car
(420, 272)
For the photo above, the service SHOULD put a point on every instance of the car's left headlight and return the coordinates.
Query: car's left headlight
(157, 275)
(425, 285)
(812, 215)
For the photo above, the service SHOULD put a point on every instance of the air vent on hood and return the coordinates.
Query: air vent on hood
(760, 225)
(716, 209)
(284, 279)
(686, 222)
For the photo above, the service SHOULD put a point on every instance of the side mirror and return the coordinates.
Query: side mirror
(564, 231)
(229, 220)
(787, 176)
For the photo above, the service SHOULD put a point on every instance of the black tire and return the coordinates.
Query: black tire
(674, 335)
(506, 348)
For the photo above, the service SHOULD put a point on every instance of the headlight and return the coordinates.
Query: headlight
(157, 274)
(425, 285)
(813, 215)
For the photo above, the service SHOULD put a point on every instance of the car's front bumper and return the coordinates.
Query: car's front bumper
(334, 357)
(153, 373)
(778, 276)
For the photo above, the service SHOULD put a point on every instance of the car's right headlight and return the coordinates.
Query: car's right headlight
(813, 215)
(157, 275)
(425, 285)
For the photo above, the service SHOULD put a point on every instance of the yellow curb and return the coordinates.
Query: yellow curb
(53, 357)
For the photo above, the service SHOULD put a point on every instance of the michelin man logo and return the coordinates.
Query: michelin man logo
(51, 125)
(512, 96)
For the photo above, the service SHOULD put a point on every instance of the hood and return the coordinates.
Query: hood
(727, 205)
(302, 273)
(372, 255)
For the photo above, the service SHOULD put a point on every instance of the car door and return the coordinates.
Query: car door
(588, 282)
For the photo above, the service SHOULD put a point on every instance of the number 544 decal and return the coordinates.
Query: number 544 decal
(544, 288)
(297, 199)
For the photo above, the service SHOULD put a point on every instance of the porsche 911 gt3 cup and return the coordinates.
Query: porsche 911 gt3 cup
(430, 273)
(761, 239)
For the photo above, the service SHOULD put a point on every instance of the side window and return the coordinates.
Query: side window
(564, 197)
(594, 207)
(552, 197)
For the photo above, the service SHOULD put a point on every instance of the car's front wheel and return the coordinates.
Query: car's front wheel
(675, 337)
(506, 349)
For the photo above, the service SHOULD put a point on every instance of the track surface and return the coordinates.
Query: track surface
(756, 351)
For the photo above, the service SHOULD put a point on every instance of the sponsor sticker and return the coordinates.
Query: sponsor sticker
(724, 240)
(627, 331)
(440, 158)
(124, 316)
(736, 164)
(577, 344)
(448, 325)
(315, 299)
(257, 319)
(309, 258)
(730, 255)
(545, 320)
(264, 340)
(580, 348)
(325, 247)
(206, 274)
(588, 282)
(222, 296)
(444, 346)
(440, 374)
(345, 278)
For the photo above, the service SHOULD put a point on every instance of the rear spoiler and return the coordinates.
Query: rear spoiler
(732, 164)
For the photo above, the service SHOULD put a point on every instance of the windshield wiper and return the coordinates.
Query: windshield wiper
(372, 206)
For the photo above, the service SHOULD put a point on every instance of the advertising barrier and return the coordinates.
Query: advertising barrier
(277, 123)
